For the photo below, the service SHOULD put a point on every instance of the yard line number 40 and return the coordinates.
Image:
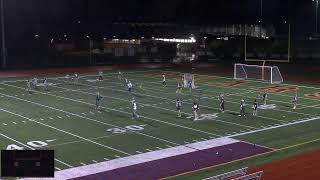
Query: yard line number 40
(33, 144)
(127, 128)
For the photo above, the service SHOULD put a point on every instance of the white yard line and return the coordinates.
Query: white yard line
(29, 147)
(73, 142)
(236, 94)
(202, 97)
(80, 77)
(274, 127)
(169, 109)
(111, 109)
(122, 162)
(154, 106)
(143, 134)
(74, 135)
(317, 88)
(222, 77)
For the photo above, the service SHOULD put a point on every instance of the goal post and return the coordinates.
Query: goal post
(270, 74)
(187, 80)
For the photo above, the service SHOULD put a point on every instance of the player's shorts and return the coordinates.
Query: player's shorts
(129, 89)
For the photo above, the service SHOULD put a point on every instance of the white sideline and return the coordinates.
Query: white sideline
(299, 121)
(137, 159)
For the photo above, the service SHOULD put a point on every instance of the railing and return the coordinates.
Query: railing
(228, 175)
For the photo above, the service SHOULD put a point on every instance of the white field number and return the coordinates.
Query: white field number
(206, 116)
(34, 144)
(127, 128)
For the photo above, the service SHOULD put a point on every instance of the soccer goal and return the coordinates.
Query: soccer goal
(263, 73)
(188, 79)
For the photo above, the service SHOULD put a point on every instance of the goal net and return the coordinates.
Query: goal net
(188, 79)
(263, 73)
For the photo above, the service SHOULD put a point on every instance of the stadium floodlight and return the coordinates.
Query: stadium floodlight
(254, 72)
(3, 36)
(317, 5)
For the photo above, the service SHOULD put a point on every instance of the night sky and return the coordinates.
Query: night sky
(24, 17)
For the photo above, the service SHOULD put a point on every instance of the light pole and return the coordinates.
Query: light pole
(317, 5)
(260, 21)
(90, 50)
(3, 37)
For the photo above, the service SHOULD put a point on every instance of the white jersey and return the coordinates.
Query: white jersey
(45, 82)
(129, 85)
(163, 78)
(134, 106)
(35, 81)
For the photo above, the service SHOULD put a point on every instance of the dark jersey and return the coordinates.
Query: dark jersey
(178, 104)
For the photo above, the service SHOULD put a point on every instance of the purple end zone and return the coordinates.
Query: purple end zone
(181, 163)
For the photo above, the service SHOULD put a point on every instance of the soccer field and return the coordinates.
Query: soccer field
(65, 119)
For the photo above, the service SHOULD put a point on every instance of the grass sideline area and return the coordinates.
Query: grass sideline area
(64, 118)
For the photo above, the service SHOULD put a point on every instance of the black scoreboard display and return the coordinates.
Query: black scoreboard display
(27, 163)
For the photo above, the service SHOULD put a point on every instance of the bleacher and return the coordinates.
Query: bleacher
(239, 174)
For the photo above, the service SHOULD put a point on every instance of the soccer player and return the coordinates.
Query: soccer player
(264, 97)
(195, 109)
(163, 79)
(178, 106)
(190, 85)
(120, 76)
(76, 77)
(179, 87)
(129, 85)
(45, 84)
(100, 75)
(242, 112)
(134, 109)
(35, 82)
(98, 100)
(28, 86)
(221, 99)
(295, 101)
(255, 108)
(67, 77)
